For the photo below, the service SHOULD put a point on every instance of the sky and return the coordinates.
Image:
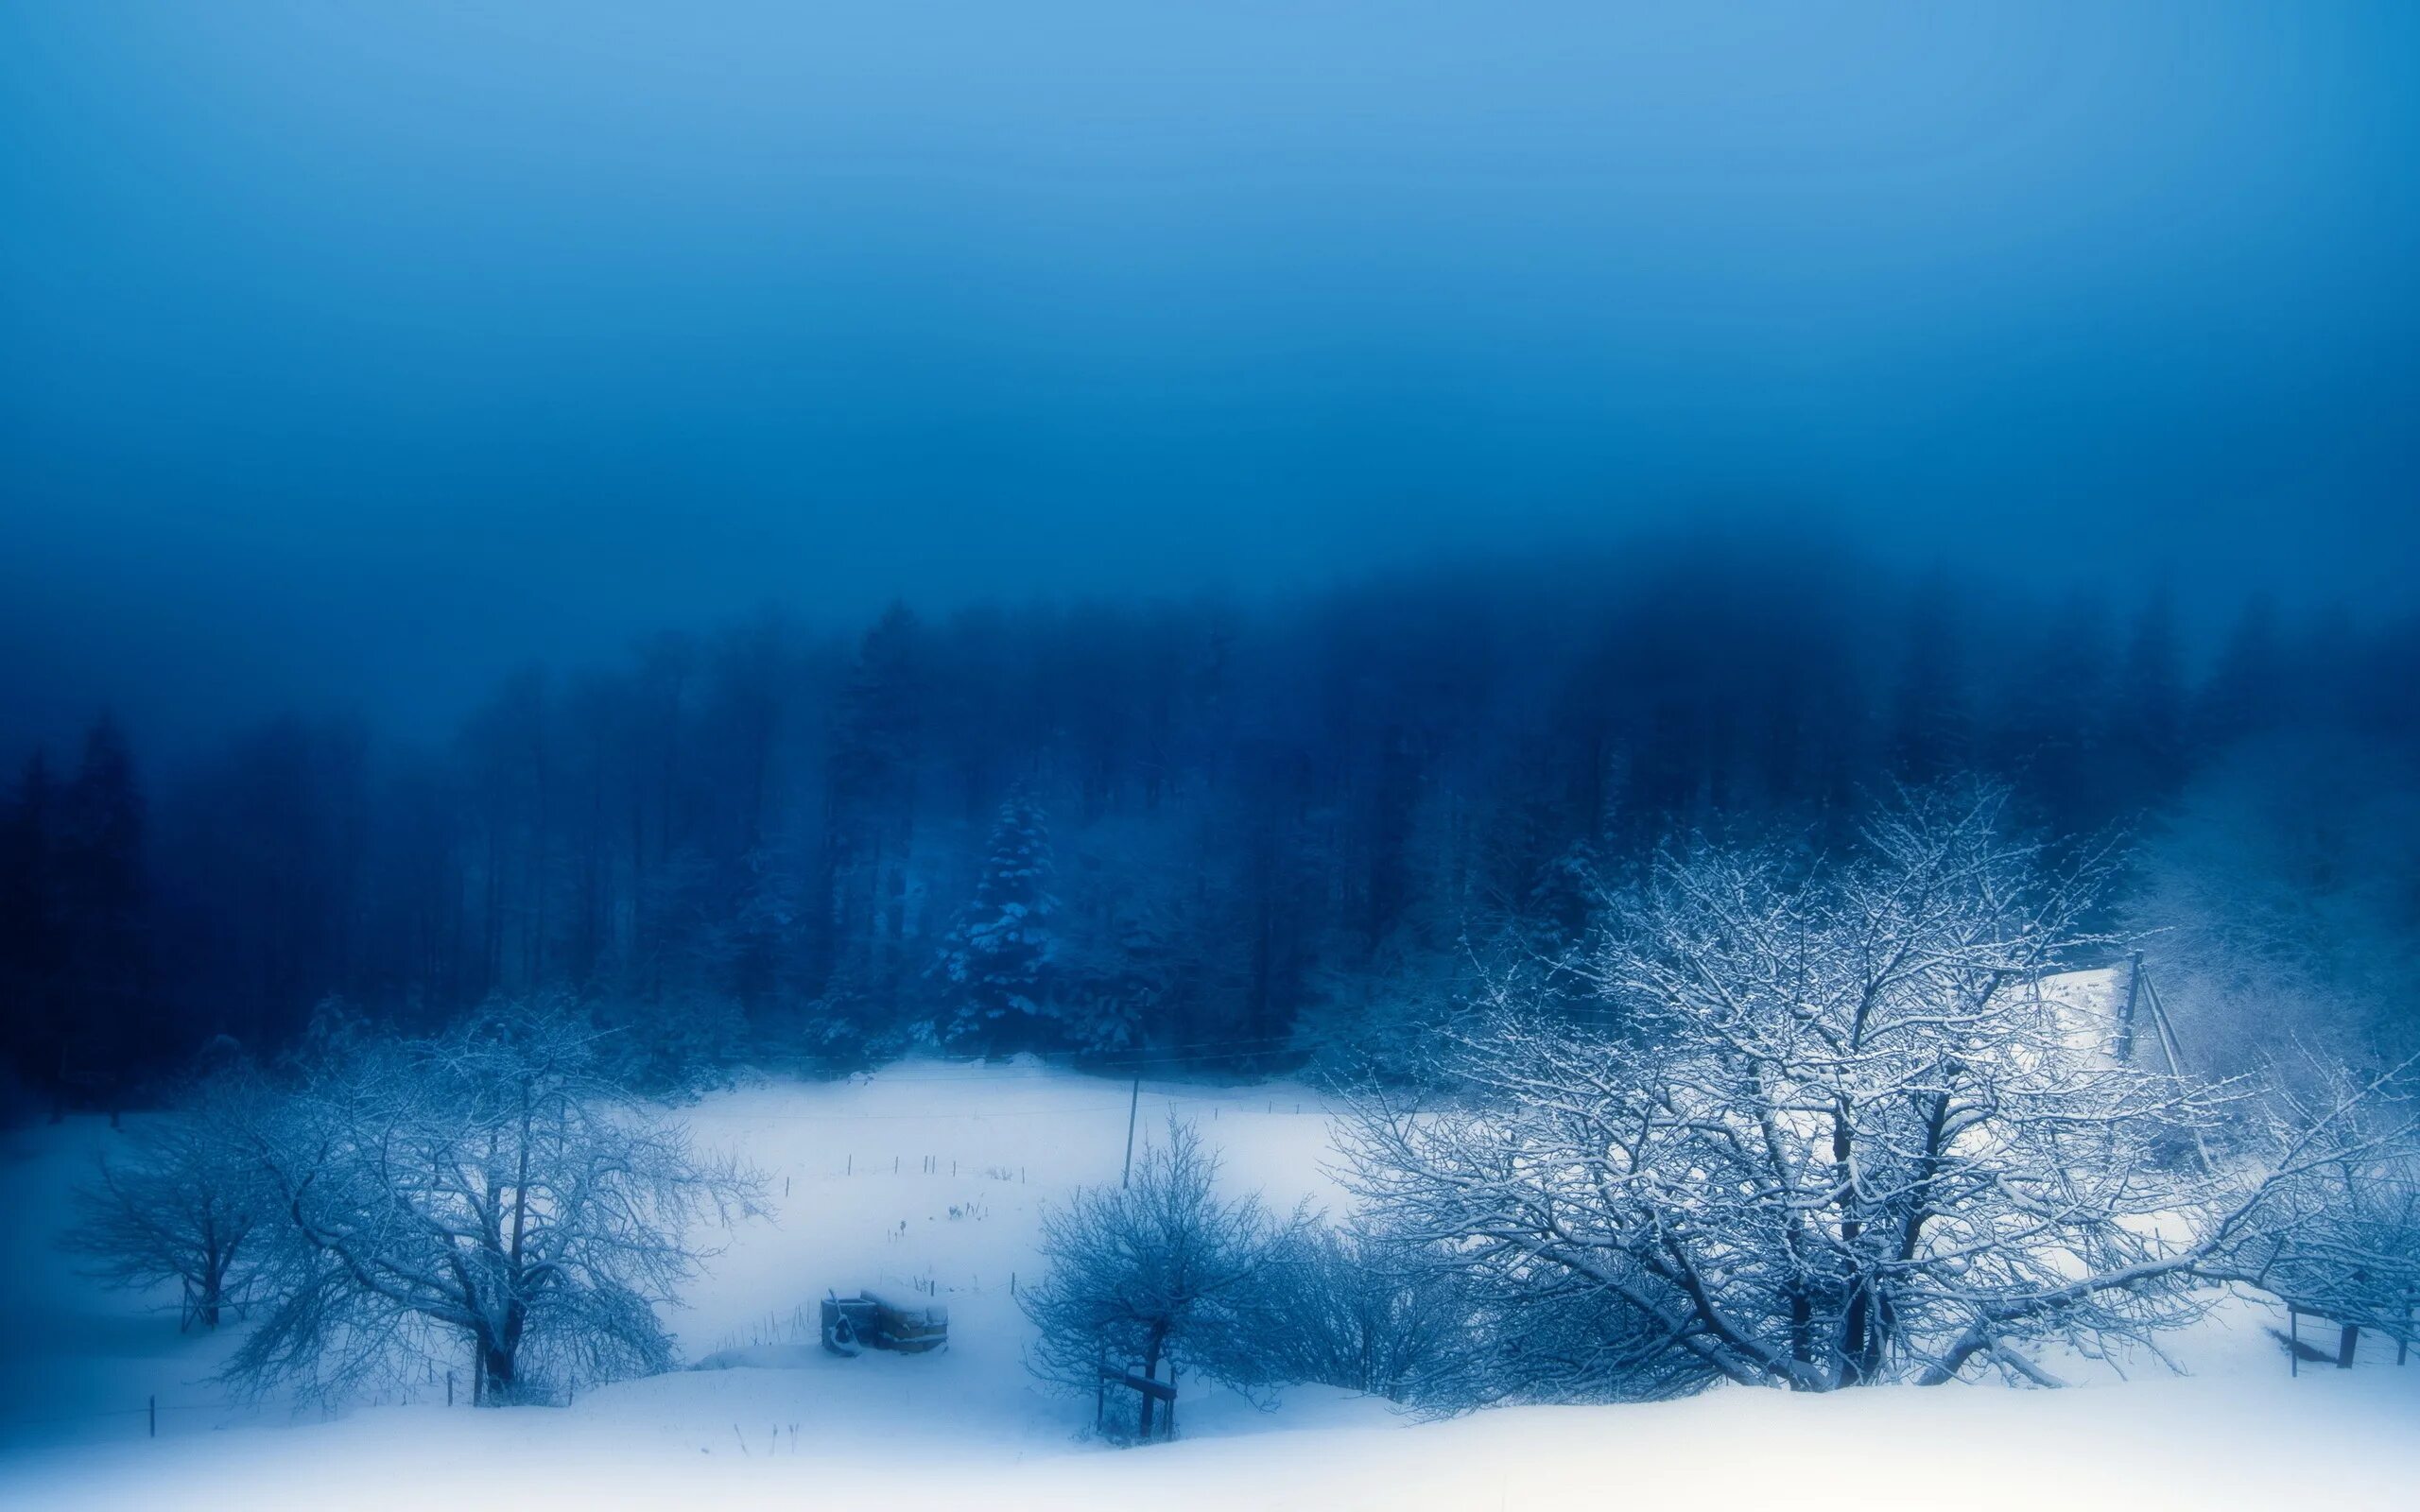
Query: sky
(359, 352)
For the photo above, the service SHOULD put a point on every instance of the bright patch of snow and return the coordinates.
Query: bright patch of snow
(926, 1179)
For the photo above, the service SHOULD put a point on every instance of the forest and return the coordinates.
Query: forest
(1211, 836)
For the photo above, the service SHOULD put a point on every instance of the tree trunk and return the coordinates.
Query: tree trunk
(495, 1374)
(499, 1357)
(1152, 1372)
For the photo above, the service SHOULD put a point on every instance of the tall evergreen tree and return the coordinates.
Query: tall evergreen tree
(1001, 956)
(2148, 722)
(1932, 723)
(104, 974)
(2246, 695)
(31, 938)
(868, 826)
(2051, 740)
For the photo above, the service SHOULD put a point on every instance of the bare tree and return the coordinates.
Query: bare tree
(185, 1201)
(1830, 1133)
(2338, 1229)
(487, 1189)
(1147, 1273)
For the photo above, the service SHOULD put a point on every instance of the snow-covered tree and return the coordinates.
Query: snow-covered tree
(1148, 1273)
(2338, 1229)
(1000, 957)
(1837, 1137)
(185, 1202)
(481, 1190)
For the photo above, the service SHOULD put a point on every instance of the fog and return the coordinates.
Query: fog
(1360, 712)
(357, 356)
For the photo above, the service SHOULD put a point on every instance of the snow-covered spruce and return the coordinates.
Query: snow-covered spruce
(1000, 957)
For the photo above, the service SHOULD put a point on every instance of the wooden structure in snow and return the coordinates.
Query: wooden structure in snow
(865, 1321)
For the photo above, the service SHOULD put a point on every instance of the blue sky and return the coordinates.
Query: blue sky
(365, 350)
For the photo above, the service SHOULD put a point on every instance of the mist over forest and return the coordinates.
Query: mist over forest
(1245, 837)
(864, 754)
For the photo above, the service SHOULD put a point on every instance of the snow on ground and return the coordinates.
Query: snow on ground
(865, 1176)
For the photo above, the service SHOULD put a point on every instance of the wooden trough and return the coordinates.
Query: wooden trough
(865, 1321)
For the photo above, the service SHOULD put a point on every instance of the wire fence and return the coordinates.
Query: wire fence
(143, 1422)
(433, 1387)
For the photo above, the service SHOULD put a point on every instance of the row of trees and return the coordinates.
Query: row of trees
(1823, 1128)
(75, 915)
(482, 1198)
(1254, 829)
(1780, 1118)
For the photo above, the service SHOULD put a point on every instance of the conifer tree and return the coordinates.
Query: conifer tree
(1000, 956)
(2149, 721)
(101, 898)
(1931, 726)
(2246, 695)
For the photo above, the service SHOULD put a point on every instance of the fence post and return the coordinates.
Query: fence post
(2294, 1340)
(154, 1407)
(449, 1388)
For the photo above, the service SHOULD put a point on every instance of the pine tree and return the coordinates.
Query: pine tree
(1931, 726)
(2149, 721)
(2247, 694)
(2053, 733)
(1000, 957)
(101, 916)
(31, 938)
(856, 938)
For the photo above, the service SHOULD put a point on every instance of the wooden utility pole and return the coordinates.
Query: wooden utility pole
(2126, 1017)
(1132, 1102)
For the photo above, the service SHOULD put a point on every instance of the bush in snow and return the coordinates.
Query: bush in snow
(676, 1046)
(1149, 1276)
(187, 1201)
(483, 1191)
(1353, 1307)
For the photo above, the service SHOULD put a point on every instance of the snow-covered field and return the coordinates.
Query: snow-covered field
(928, 1177)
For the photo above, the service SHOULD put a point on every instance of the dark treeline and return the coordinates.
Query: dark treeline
(1227, 834)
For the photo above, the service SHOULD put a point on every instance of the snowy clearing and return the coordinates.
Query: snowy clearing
(924, 1180)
